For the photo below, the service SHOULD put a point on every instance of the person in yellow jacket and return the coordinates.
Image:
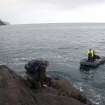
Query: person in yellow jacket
(95, 56)
(90, 55)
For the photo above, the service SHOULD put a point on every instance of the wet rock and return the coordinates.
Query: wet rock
(66, 88)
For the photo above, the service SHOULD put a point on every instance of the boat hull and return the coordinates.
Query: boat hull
(97, 62)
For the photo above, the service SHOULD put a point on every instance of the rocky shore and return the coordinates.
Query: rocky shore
(14, 90)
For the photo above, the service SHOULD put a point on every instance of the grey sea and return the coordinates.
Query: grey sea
(63, 45)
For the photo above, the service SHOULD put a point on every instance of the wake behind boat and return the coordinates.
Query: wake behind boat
(97, 62)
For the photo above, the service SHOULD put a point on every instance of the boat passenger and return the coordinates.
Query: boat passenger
(95, 56)
(90, 55)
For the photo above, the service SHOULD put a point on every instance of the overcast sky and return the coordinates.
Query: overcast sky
(51, 11)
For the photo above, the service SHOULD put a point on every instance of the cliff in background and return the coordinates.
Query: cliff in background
(2, 23)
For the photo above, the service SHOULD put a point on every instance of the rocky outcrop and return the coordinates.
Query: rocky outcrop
(14, 90)
(66, 88)
(2, 23)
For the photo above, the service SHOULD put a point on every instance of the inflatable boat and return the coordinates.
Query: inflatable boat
(97, 62)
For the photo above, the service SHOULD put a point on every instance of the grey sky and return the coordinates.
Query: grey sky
(49, 11)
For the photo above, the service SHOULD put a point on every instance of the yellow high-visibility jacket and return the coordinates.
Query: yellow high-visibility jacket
(91, 52)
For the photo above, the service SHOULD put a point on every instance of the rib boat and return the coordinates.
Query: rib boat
(97, 62)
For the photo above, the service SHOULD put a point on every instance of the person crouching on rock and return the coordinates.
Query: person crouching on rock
(36, 72)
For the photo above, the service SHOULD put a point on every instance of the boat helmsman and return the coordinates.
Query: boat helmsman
(90, 55)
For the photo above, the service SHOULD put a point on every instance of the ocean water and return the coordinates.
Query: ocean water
(63, 45)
